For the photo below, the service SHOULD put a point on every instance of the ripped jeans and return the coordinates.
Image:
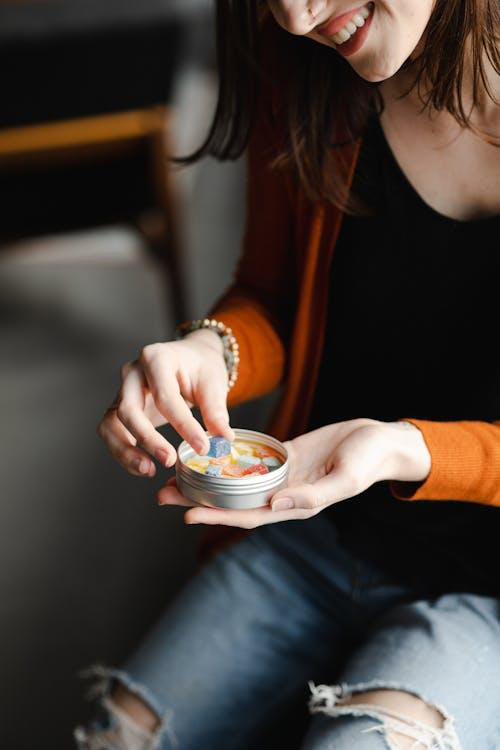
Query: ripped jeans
(287, 608)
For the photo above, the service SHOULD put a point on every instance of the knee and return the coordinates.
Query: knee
(135, 708)
(403, 719)
(407, 718)
(124, 722)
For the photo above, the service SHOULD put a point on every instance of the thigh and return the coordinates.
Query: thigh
(445, 651)
(245, 636)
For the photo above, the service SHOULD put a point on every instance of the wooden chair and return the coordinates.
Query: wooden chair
(84, 121)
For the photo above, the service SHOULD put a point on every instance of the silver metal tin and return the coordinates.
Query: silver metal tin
(232, 492)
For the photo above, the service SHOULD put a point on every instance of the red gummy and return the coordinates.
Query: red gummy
(259, 469)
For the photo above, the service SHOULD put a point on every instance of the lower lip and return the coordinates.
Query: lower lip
(355, 43)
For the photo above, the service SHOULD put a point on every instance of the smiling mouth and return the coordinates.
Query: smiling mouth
(350, 27)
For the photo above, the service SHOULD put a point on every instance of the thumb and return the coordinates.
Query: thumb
(335, 486)
(212, 397)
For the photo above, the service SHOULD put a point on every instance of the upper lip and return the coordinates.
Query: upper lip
(334, 25)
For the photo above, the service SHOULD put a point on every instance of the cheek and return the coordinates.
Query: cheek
(397, 28)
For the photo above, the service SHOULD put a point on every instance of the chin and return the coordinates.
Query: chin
(378, 70)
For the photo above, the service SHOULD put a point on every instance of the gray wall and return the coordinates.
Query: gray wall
(87, 560)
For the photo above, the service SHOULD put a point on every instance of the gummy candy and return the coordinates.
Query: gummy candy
(244, 449)
(234, 470)
(222, 460)
(247, 461)
(259, 469)
(219, 446)
(239, 459)
(196, 467)
(271, 462)
(198, 463)
(201, 460)
(265, 452)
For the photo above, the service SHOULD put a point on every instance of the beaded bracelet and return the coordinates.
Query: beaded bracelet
(231, 349)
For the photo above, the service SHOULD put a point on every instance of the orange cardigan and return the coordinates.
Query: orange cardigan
(277, 309)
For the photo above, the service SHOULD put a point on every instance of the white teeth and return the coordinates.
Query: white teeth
(355, 23)
(343, 35)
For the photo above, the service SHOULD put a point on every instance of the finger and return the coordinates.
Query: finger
(121, 445)
(131, 414)
(212, 397)
(243, 519)
(336, 486)
(169, 495)
(169, 402)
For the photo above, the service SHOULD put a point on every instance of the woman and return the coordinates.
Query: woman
(372, 130)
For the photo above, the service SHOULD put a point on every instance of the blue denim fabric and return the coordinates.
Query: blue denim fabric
(288, 605)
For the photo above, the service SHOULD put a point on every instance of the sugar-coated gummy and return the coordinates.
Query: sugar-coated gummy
(239, 459)
(259, 469)
(247, 461)
(244, 448)
(219, 446)
(200, 468)
(222, 460)
(234, 471)
(264, 452)
(271, 462)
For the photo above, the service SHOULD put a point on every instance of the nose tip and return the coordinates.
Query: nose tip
(298, 22)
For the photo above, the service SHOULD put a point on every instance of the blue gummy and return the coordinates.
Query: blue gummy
(219, 446)
(272, 463)
(213, 471)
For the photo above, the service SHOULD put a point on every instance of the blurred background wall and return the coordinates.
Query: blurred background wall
(87, 277)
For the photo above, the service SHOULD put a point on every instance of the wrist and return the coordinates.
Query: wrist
(409, 456)
(228, 342)
(206, 337)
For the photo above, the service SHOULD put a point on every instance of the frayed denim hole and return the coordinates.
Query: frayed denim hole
(333, 700)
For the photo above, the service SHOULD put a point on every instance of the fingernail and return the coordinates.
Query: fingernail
(162, 457)
(144, 466)
(141, 465)
(200, 447)
(284, 503)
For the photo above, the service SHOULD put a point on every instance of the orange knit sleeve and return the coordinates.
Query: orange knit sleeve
(465, 466)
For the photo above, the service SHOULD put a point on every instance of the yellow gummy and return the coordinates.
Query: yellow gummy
(243, 448)
(200, 468)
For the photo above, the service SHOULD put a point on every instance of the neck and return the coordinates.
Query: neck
(484, 113)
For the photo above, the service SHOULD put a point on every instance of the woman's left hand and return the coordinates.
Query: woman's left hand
(327, 465)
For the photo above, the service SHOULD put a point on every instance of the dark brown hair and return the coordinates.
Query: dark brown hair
(319, 119)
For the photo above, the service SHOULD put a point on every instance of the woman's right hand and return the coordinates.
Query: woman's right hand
(161, 386)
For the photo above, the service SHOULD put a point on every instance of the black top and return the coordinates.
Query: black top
(412, 332)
